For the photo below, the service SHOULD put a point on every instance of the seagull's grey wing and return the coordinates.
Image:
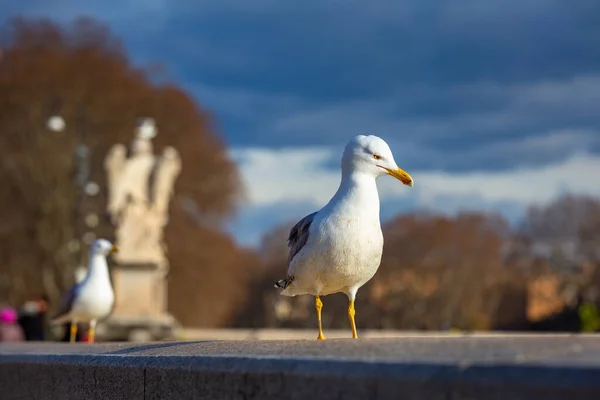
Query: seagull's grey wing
(67, 301)
(296, 240)
(299, 235)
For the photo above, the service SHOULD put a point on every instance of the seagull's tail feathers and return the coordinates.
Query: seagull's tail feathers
(284, 283)
(280, 284)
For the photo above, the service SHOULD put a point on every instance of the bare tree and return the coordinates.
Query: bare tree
(564, 232)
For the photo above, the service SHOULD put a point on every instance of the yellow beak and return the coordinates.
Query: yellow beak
(114, 249)
(401, 175)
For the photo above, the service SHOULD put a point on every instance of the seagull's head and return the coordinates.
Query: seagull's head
(103, 247)
(372, 155)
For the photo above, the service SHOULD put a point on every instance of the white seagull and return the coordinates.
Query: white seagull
(92, 298)
(338, 248)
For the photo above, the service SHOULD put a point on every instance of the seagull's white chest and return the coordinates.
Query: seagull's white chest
(351, 258)
(95, 301)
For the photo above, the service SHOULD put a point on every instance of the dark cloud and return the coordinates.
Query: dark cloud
(336, 51)
(452, 85)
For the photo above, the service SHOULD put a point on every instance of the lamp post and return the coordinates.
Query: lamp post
(56, 123)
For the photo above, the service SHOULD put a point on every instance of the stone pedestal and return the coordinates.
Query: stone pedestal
(140, 304)
(140, 291)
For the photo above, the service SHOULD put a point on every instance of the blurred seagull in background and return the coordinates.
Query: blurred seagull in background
(92, 298)
(339, 248)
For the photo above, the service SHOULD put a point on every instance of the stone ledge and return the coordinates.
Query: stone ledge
(471, 367)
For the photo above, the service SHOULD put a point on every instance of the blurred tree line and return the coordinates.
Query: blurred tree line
(473, 271)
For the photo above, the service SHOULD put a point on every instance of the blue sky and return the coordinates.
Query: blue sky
(489, 105)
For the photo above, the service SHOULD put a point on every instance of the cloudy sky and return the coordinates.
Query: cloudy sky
(490, 105)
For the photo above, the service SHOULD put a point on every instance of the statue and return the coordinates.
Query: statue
(140, 188)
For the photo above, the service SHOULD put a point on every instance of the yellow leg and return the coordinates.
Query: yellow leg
(351, 314)
(92, 331)
(73, 336)
(319, 306)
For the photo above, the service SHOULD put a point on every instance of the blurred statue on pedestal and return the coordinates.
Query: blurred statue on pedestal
(139, 190)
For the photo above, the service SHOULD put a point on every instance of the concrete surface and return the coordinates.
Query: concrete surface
(427, 367)
(309, 334)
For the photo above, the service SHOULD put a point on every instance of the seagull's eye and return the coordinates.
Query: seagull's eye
(377, 156)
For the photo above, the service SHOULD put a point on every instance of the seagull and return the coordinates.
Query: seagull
(338, 248)
(93, 297)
